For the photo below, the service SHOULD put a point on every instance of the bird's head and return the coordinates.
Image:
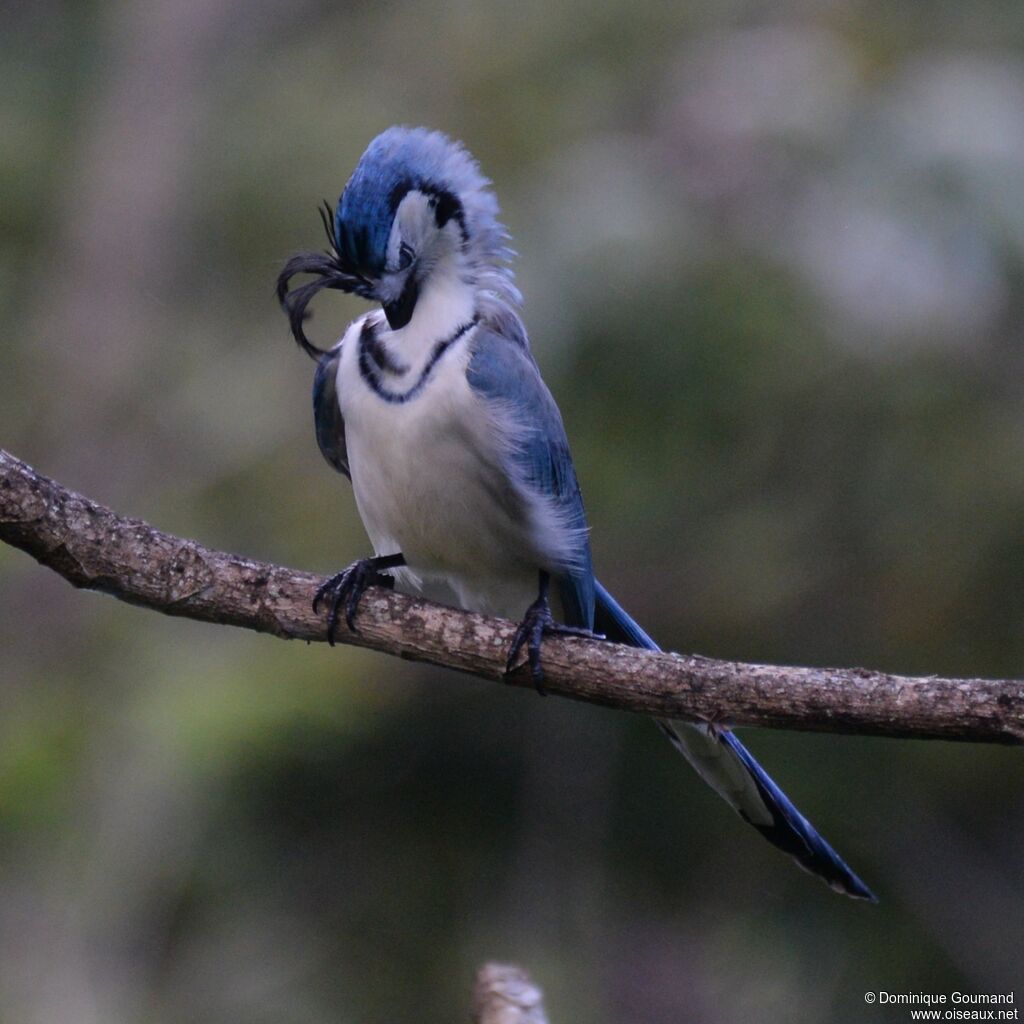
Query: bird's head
(415, 203)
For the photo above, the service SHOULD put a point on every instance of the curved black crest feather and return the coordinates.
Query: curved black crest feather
(331, 271)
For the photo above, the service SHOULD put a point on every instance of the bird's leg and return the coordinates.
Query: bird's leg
(348, 586)
(538, 622)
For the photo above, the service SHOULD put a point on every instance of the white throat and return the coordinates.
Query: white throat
(446, 303)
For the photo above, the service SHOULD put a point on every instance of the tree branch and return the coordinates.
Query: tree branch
(95, 548)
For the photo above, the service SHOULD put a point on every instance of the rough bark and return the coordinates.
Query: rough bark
(95, 548)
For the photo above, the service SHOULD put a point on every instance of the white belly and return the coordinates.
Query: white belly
(429, 482)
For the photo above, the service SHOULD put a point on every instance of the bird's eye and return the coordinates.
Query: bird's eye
(405, 256)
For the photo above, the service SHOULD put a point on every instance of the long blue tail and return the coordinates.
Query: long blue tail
(728, 767)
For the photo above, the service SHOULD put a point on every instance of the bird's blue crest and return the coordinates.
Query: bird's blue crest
(401, 158)
(359, 230)
(366, 209)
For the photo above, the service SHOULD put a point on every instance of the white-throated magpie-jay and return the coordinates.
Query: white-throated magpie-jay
(434, 407)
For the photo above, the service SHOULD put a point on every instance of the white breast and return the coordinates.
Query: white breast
(430, 482)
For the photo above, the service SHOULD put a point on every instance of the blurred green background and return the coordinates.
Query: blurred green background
(772, 258)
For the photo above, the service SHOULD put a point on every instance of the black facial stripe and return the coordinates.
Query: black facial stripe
(369, 372)
(397, 194)
(446, 206)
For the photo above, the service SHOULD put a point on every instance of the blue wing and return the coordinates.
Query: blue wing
(330, 425)
(502, 370)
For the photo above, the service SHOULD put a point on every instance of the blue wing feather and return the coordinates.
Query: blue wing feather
(502, 370)
(327, 418)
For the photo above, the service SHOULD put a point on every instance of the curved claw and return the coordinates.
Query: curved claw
(347, 588)
(538, 622)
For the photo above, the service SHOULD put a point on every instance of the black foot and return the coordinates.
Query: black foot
(348, 586)
(538, 622)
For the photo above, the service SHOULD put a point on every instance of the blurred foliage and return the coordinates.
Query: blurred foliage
(772, 258)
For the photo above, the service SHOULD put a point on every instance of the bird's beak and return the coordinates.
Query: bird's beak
(399, 311)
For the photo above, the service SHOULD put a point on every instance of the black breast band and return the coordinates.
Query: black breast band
(371, 362)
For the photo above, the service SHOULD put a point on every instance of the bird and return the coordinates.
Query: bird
(433, 406)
